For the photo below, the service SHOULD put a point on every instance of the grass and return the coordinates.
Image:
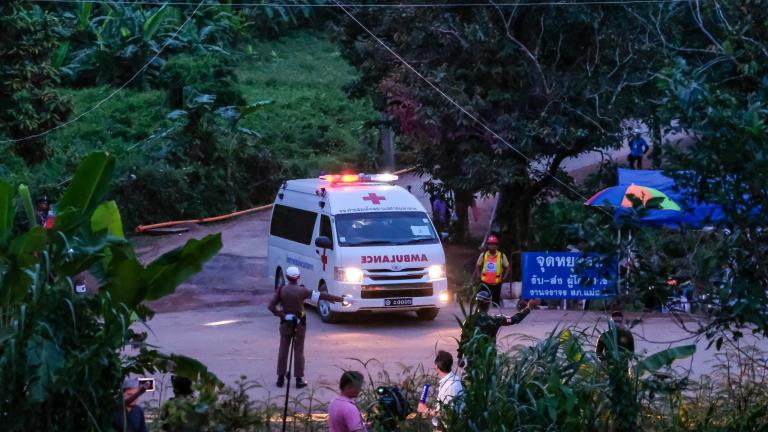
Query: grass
(312, 123)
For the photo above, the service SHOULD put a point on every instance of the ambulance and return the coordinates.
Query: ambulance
(358, 235)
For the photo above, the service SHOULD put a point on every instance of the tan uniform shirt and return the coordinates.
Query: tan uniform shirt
(291, 298)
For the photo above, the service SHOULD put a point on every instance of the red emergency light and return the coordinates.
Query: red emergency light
(358, 178)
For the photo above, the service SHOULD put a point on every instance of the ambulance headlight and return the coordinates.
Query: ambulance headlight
(436, 272)
(349, 274)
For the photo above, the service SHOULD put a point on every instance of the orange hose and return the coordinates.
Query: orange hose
(141, 228)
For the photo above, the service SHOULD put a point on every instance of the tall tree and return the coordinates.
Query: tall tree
(553, 82)
(716, 82)
(28, 102)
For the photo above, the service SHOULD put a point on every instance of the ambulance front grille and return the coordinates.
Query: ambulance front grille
(396, 275)
(400, 290)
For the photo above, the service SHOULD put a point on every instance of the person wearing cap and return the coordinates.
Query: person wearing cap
(288, 305)
(618, 335)
(131, 418)
(637, 149)
(482, 326)
(492, 268)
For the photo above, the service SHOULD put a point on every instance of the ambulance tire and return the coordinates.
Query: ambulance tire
(279, 278)
(427, 314)
(324, 307)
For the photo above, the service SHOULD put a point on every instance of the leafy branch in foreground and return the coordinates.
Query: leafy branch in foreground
(60, 352)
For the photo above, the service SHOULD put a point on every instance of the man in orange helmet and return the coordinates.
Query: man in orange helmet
(492, 268)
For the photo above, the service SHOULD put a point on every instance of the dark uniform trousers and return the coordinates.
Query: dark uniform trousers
(298, 349)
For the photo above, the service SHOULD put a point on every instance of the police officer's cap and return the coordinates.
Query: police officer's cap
(292, 273)
(483, 297)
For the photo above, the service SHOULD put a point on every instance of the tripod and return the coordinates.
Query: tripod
(293, 325)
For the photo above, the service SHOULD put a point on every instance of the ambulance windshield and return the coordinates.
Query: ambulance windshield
(384, 228)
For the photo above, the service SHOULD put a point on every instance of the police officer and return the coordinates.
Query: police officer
(485, 325)
(288, 304)
(492, 268)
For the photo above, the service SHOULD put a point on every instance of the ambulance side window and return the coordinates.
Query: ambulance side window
(293, 224)
(325, 228)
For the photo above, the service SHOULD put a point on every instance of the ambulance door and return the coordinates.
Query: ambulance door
(325, 255)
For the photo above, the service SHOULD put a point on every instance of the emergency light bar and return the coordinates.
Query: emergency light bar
(359, 178)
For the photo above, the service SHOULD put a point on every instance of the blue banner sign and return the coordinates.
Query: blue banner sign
(566, 275)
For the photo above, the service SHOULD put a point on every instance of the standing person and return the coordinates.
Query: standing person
(440, 213)
(637, 149)
(343, 414)
(448, 388)
(42, 208)
(622, 339)
(492, 268)
(130, 419)
(486, 325)
(288, 305)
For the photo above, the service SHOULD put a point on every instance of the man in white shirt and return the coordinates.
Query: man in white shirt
(449, 386)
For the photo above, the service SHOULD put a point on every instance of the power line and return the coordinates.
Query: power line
(456, 104)
(116, 91)
(381, 5)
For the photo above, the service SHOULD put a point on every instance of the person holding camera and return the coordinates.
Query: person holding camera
(486, 325)
(131, 417)
(343, 414)
(448, 388)
(288, 305)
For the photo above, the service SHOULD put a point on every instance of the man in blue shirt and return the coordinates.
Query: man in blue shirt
(637, 148)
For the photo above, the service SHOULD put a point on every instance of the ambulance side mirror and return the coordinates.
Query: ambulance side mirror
(323, 242)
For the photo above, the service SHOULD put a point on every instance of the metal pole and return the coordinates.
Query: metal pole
(288, 381)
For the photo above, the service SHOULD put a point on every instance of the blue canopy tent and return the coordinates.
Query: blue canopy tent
(694, 214)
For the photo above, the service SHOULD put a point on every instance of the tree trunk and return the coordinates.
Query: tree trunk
(513, 218)
(463, 201)
(387, 138)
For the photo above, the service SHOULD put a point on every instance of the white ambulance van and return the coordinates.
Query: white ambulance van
(361, 236)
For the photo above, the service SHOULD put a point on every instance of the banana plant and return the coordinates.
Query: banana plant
(61, 352)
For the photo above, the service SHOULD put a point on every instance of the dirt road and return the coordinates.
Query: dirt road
(220, 318)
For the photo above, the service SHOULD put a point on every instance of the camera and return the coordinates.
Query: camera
(391, 407)
(147, 383)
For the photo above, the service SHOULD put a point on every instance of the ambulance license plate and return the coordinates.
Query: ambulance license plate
(395, 302)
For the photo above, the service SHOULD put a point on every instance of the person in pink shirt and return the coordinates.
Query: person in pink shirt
(343, 415)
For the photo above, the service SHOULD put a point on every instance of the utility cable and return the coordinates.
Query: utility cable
(383, 5)
(116, 91)
(456, 104)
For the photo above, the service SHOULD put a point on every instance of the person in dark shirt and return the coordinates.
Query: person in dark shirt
(131, 418)
(486, 326)
(622, 338)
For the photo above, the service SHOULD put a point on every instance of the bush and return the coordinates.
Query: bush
(208, 73)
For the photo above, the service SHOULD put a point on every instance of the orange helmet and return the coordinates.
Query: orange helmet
(492, 240)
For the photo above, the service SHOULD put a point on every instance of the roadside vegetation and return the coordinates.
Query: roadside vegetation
(171, 164)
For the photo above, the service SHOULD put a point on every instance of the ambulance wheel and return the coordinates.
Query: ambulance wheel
(324, 307)
(427, 314)
(279, 279)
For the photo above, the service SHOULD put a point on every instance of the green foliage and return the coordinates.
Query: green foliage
(29, 103)
(61, 358)
(558, 384)
(207, 73)
(554, 82)
(312, 125)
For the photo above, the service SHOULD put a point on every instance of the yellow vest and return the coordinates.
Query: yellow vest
(492, 268)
